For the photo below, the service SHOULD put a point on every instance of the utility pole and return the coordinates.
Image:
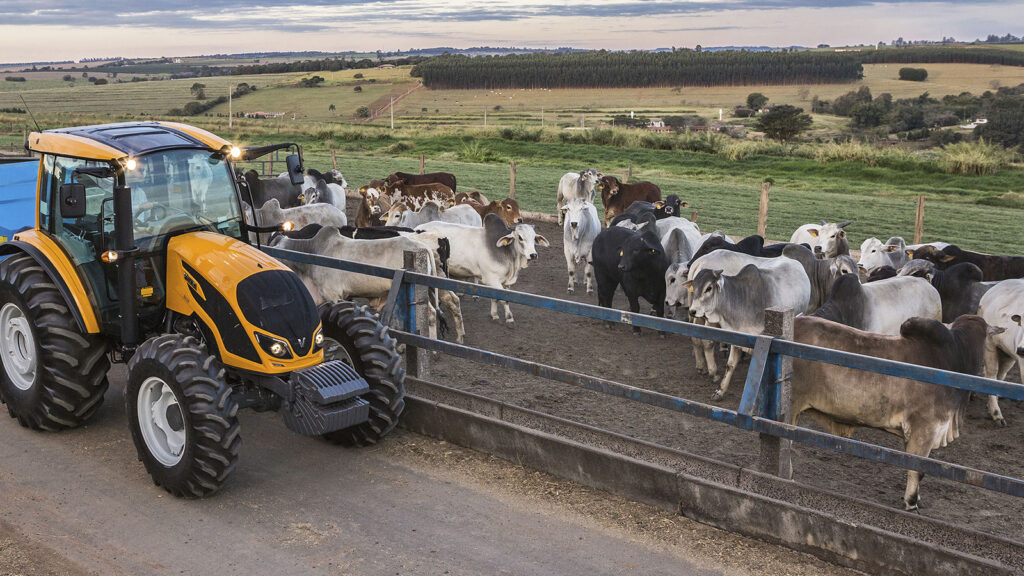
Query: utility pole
(230, 115)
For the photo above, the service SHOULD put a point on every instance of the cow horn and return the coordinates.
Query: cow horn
(847, 223)
(823, 222)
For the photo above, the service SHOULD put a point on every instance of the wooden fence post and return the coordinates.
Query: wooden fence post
(919, 220)
(512, 179)
(776, 455)
(629, 173)
(334, 158)
(762, 214)
(693, 217)
(416, 359)
(423, 164)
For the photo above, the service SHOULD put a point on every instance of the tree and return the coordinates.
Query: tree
(1005, 122)
(363, 112)
(69, 78)
(867, 114)
(783, 122)
(199, 91)
(913, 74)
(756, 100)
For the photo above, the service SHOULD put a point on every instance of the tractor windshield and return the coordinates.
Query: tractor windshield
(180, 190)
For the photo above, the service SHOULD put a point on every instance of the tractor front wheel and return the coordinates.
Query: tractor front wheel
(53, 376)
(183, 419)
(354, 335)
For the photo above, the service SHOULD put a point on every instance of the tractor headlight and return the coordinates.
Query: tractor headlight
(274, 346)
(318, 340)
(236, 152)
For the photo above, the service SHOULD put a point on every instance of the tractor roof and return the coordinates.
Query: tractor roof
(116, 141)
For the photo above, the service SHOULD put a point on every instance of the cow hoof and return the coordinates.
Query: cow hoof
(719, 394)
(570, 290)
(702, 371)
(590, 291)
(661, 335)
(1000, 421)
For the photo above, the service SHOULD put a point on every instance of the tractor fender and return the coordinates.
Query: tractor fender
(61, 271)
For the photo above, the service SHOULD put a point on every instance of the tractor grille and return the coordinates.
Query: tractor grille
(326, 398)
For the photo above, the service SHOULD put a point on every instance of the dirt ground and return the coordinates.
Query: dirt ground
(667, 365)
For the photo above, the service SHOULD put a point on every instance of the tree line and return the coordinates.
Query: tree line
(942, 54)
(638, 69)
(324, 65)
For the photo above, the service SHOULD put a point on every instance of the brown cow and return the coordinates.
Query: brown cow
(373, 207)
(617, 196)
(419, 193)
(992, 267)
(432, 178)
(474, 196)
(507, 209)
(927, 416)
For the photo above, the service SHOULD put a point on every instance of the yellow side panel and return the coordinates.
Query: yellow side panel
(67, 271)
(223, 262)
(210, 139)
(72, 145)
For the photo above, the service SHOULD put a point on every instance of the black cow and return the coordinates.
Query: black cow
(992, 267)
(634, 259)
(661, 209)
(960, 287)
(881, 273)
(752, 245)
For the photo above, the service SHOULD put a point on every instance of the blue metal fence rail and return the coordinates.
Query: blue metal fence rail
(759, 407)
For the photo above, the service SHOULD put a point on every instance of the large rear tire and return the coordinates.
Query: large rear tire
(364, 342)
(53, 376)
(183, 419)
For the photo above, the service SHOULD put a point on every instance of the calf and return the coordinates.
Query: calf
(634, 259)
(580, 228)
(492, 254)
(880, 307)
(373, 207)
(826, 240)
(421, 192)
(507, 209)
(1003, 306)
(822, 273)
(926, 416)
(738, 302)
(992, 267)
(444, 178)
(576, 185)
(617, 196)
(327, 193)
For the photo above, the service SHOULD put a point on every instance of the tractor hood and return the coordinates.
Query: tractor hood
(246, 299)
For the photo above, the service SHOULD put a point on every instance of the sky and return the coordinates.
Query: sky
(48, 30)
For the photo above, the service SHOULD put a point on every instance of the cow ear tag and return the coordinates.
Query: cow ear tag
(691, 287)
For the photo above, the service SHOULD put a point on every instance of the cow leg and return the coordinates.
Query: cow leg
(570, 264)
(588, 276)
(508, 314)
(634, 307)
(494, 311)
(451, 303)
(605, 293)
(735, 354)
(919, 443)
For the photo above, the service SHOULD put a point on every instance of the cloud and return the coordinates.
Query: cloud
(295, 16)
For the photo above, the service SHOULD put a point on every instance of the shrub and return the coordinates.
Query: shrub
(100, 81)
(475, 152)
(913, 74)
(358, 75)
(978, 157)
(520, 134)
(357, 88)
(741, 112)
(15, 78)
(324, 135)
(399, 147)
(756, 100)
(363, 112)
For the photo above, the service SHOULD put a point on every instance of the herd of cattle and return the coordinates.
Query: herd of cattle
(932, 304)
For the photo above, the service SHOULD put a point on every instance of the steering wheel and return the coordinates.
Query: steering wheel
(149, 212)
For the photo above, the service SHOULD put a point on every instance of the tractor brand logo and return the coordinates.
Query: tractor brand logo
(302, 342)
(193, 285)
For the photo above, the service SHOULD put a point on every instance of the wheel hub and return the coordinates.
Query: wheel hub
(161, 421)
(17, 346)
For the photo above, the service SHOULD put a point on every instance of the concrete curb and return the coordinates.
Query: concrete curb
(836, 528)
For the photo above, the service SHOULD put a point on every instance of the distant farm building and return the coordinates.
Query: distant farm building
(658, 125)
(264, 114)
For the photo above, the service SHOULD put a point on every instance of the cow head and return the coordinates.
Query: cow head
(510, 211)
(609, 186)
(575, 212)
(671, 206)
(637, 250)
(395, 212)
(918, 267)
(874, 254)
(704, 290)
(523, 240)
(676, 288)
(928, 253)
(844, 264)
(830, 239)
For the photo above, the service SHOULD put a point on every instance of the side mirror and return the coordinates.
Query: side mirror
(295, 171)
(72, 200)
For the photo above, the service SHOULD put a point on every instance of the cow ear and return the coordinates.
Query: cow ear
(506, 240)
(813, 232)
(542, 241)
(947, 258)
(1016, 318)
(910, 254)
(684, 204)
(842, 233)
(659, 204)
(888, 248)
(688, 285)
(995, 330)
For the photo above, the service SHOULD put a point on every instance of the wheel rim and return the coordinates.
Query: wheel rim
(17, 346)
(334, 350)
(161, 421)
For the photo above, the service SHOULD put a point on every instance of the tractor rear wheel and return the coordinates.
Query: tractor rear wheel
(353, 334)
(53, 376)
(184, 421)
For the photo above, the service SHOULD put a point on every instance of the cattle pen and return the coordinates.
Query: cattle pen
(878, 540)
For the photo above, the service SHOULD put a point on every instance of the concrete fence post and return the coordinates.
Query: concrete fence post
(416, 359)
(423, 164)
(776, 453)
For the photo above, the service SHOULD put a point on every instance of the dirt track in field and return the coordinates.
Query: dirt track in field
(667, 365)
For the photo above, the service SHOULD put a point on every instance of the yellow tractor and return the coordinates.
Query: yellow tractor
(140, 253)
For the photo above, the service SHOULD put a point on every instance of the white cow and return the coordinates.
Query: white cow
(581, 226)
(271, 214)
(430, 212)
(492, 254)
(1003, 305)
(827, 238)
(576, 185)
